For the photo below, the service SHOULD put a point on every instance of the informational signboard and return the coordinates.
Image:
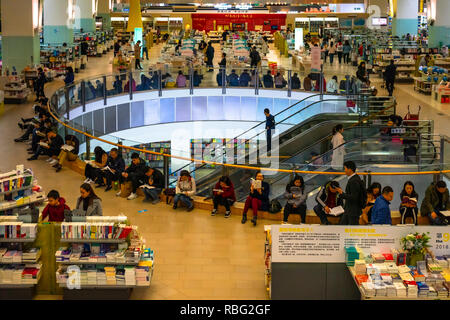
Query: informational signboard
(315, 59)
(326, 244)
(298, 38)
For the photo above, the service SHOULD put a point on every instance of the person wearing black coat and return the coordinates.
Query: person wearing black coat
(254, 57)
(268, 80)
(209, 56)
(295, 82)
(223, 62)
(55, 142)
(155, 179)
(389, 77)
(39, 84)
(257, 199)
(134, 173)
(116, 165)
(353, 196)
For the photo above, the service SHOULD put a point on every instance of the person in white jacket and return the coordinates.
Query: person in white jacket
(265, 46)
(332, 85)
(184, 190)
(337, 141)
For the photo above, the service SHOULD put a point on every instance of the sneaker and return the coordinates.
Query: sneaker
(119, 193)
(32, 158)
(175, 206)
(156, 201)
(132, 196)
(227, 214)
(86, 180)
(53, 162)
(244, 219)
(213, 213)
(58, 168)
(190, 208)
(49, 160)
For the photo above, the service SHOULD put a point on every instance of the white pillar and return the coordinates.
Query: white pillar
(85, 11)
(405, 20)
(104, 11)
(58, 21)
(440, 31)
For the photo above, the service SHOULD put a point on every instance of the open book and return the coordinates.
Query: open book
(41, 134)
(107, 168)
(336, 211)
(446, 213)
(217, 190)
(43, 144)
(66, 147)
(257, 184)
(146, 186)
(92, 163)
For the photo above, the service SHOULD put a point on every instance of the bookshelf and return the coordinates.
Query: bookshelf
(16, 91)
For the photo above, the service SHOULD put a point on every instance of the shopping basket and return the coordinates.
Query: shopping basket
(412, 119)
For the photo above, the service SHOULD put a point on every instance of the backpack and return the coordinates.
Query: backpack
(274, 206)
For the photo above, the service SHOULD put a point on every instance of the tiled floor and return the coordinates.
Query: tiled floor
(197, 256)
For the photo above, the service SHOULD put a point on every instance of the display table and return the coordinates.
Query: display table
(441, 93)
(422, 85)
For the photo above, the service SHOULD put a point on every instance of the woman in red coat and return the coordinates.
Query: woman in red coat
(223, 195)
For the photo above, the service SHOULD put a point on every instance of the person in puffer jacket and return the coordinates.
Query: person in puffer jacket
(55, 207)
(184, 190)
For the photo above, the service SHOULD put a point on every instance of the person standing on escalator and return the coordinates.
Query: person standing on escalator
(270, 127)
(338, 149)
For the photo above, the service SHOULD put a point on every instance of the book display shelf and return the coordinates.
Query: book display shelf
(102, 258)
(387, 277)
(19, 193)
(20, 266)
(16, 90)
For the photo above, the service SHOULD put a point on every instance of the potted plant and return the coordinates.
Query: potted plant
(416, 245)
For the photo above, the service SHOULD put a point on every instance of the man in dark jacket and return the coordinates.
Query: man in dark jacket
(436, 200)
(389, 77)
(39, 85)
(233, 79)
(70, 140)
(155, 179)
(268, 80)
(381, 213)
(270, 127)
(115, 165)
(134, 173)
(244, 79)
(209, 56)
(255, 58)
(353, 196)
(53, 147)
(327, 198)
(295, 82)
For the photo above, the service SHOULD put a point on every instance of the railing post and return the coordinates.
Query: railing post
(83, 95)
(347, 85)
(88, 148)
(321, 82)
(256, 81)
(105, 102)
(442, 156)
(159, 83)
(289, 83)
(419, 151)
(224, 80)
(191, 81)
(166, 172)
(130, 86)
(66, 94)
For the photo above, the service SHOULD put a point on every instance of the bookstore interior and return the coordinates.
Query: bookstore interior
(165, 126)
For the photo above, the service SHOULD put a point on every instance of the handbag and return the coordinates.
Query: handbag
(169, 193)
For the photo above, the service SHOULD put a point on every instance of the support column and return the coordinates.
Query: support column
(58, 22)
(20, 33)
(135, 20)
(84, 15)
(439, 33)
(104, 11)
(405, 20)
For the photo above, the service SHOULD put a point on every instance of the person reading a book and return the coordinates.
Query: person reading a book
(408, 205)
(55, 207)
(184, 190)
(69, 151)
(88, 204)
(113, 169)
(436, 200)
(134, 173)
(296, 199)
(381, 213)
(373, 192)
(51, 148)
(223, 194)
(327, 199)
(92, 171)
(258, 198)
(154, 186)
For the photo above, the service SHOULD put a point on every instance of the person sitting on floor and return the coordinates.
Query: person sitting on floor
(409, 199)
(157, 182)
(295, 82)
(55, 208)
(52, 148)
(327, 198)
(181, 80)
(257, 199)
(92, 171)
(197, 79)
(233, 79)
(184, 190)
(436, 200)
(381, 213)
(224, 195)
(115, 166)
(134, 173)
(296, 199)
(268, 80)
(244, 79)
(280, 82)
(72, 155)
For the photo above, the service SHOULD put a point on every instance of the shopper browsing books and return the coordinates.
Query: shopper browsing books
(92, 171)
(134, 173)
(355, 196)
(113, 169)
(268, 80)
(50, 148)
(258, 198)
(296, 199)
(69, 151)
(373, 192)
(223, 195)
(436, 200)
(55, 208)
(88, 204)
(329, 202)
(408, 206)
(381, 213)
(155, 184)
(184, 190)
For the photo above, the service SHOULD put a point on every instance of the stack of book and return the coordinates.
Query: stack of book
(441, 290)
(391, 267)
(2, 253)
(61, 275)
(423, 289)
(377, 257)
(396, 278)
(351, 254)
(443, 262)
(360, 266)
(8, 256)
(17, 274)
(380, 289)
(360, 278)
(418, 277)
(406, 277)
(400, 289)
(120, 277)
(369, 289)
(17, 257)
(84, 277)
(130, 276)
(92, 275)
(412, 288)
(110, 275)
(142, 275)
(386, 277)
(31, 255)
(101, 276)
(388, 257)
(63, 254)
(432, 293)
(31, 274)
(390, 290)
